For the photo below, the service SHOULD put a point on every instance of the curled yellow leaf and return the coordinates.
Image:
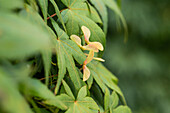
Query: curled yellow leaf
(98, 45)
(86, 33)
(76, 39)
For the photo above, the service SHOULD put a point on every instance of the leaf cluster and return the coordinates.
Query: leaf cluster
(40, 66)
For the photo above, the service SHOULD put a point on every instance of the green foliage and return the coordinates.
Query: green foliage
(41, 67)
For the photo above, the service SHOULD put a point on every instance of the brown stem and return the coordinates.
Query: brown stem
(56, 14)
(49, 77)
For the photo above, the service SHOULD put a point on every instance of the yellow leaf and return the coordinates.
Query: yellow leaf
(86, 73)
(76, 39)
(90, 47)
(99, 59)
(98, 45)
(86, 33)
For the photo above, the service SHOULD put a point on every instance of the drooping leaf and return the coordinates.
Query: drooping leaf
(37, 89)
(100, 6)
(46, 55)
(11, 99)
(35, 18)
(15, 30)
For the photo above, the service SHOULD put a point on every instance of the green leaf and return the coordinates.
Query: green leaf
(122, 109)
(80, 105)
(100, 6)
(113, 6)
(61, 65)
(61, 34)
(58, 13)
(36, 88)
(106, 100)
(114, 100)
(82, 93)
(104, 78)
(68, 90)
(11, 99)
(34, 17)
(78, 15)
(14, 41)
(90, 82)
(67, 49)
(44, 6)
(46, 55)
(71, 49)
(11, 4)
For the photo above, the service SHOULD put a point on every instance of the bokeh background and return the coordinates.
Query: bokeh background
(143, 63)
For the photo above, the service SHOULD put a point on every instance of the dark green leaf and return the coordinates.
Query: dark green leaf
(44, 6)
(100, 6)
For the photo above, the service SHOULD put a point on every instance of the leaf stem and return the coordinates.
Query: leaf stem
(49, 77)
(56, 14)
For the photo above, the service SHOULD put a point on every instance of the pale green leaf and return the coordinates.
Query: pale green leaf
(11, 99)
(14, 30)
(36, 88)
(11, 4)
(46, 56)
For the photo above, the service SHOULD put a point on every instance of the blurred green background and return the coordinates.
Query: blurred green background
(143, 63)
